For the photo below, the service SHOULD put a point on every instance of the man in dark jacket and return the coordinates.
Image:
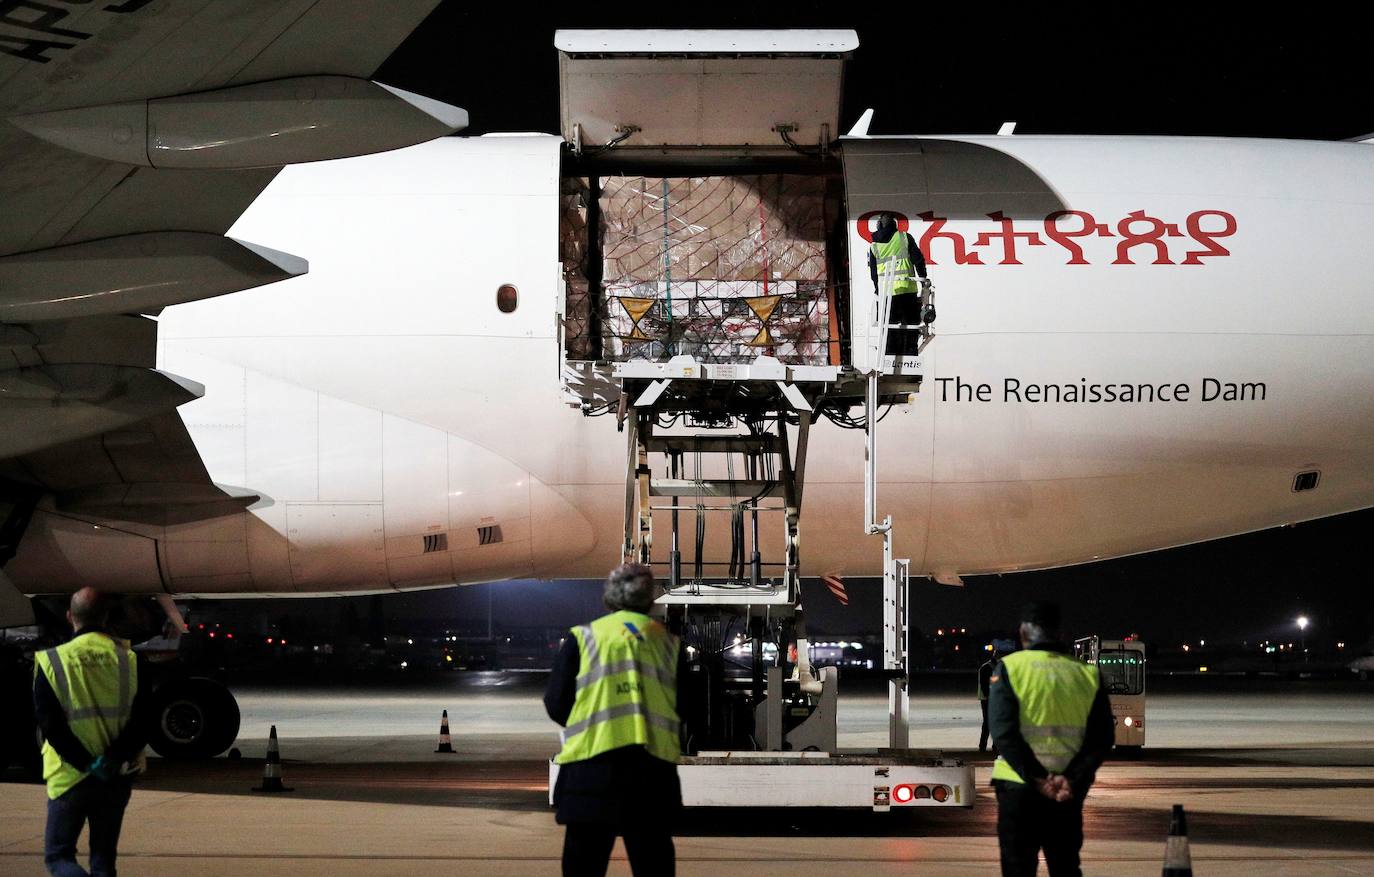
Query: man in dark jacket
(896, 254)
(1051, 722)
(94, 717)
(984, 684)
(614, 689)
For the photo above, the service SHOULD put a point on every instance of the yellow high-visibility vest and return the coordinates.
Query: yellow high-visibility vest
(897, 252)
(626, 689)
(1056, 693)
(95, 678)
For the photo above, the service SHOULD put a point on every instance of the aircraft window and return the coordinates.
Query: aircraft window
(507, 297)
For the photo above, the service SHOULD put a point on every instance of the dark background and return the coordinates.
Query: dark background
(966, 68)
(1220, 69)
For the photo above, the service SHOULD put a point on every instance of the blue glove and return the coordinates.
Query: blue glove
(103, 770)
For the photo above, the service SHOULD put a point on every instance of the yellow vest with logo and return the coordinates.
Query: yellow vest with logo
(94, 677)
(626, 689)
(896, 252)
(1056, 693)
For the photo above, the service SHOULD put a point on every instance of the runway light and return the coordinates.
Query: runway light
(1185, 647)
(1202, 669)
(212, 634)
(404, 665)
(269, 640)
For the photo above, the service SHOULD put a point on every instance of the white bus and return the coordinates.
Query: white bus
(1122, 665)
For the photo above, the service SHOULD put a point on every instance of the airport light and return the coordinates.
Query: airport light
(1303, 622)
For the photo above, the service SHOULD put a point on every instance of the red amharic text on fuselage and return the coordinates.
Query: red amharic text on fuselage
(1138, 238)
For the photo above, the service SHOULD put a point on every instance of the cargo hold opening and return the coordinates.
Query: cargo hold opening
(713, 223)
(724, 267)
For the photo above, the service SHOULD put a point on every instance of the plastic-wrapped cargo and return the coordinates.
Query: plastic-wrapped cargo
(724, 268)
(574, 196)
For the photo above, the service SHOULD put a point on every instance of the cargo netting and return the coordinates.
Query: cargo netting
(722, 268)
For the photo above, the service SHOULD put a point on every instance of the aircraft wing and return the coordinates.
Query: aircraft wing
(134, 135)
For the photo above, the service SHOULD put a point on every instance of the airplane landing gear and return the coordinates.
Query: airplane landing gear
(193, 717)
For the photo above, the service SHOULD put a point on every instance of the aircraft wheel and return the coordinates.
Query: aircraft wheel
(193, 718)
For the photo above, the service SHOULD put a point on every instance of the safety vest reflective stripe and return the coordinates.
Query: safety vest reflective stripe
(59, 673)
(588, 644)
(1063, 731)
(618, 712)
(601, 671)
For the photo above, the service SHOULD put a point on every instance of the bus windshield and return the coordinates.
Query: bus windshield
(1123, 671)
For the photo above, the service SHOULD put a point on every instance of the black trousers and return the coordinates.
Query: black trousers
(1028, 822)
(983, 734)
(906, 309)
(587, 850)
(89, 802)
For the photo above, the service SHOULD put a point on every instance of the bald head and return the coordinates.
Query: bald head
(89, 608)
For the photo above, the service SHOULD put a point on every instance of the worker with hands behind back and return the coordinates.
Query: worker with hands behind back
(94, 718)
(614, 690)
(1051, 722)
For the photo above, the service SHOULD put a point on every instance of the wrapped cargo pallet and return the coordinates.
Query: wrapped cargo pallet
(723, 268)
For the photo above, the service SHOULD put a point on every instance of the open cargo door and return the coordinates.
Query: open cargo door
(699, 197)
(732, 90)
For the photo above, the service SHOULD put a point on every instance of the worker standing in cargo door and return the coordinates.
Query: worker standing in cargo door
(614, 690)
(897, 251)
(1051, 722)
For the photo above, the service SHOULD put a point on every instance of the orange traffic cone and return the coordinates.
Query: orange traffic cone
(271, 767)
(445, 741)
(1177, 861)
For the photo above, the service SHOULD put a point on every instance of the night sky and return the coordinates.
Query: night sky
(966, 68)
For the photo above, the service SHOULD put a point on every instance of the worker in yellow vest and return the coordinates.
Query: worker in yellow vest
(614, 690)
(87, 703)
(896, 253)
(1051, 723)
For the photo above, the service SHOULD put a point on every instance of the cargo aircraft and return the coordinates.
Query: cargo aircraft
(1142, 342)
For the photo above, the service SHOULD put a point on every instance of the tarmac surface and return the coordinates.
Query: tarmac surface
(1277, 778)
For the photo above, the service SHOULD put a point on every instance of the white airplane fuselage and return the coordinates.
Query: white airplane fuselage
(1101, 384)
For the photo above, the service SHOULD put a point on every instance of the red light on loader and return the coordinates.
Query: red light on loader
(903, 794)
(940, 793)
